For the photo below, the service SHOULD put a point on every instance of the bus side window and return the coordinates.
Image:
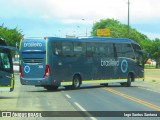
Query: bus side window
(110, 50)
(67, 49)
(124, 50)
(128, 51)
(119, 50)
(57, 48)
(99, 50)
(89, 49)
(78, 49)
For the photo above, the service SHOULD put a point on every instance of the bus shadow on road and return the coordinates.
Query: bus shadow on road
(81, 88)
(44, 90)
(7, 97)
(98, 86)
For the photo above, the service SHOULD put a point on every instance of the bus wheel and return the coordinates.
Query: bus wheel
(104, 84)
(51, 87)
(76, 82)
(68, 87)
(123, 84)
(128, 83)
(129, 80)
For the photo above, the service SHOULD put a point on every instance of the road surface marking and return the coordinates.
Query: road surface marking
(134, 99)
(68, 96)
(81, 108)
(149, 90)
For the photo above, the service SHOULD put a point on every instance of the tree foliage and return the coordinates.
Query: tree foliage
(11, 36)
(118, 30)
(155, 51)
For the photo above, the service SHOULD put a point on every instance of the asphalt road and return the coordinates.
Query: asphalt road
(142, 96)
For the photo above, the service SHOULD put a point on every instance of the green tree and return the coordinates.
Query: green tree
(155, 51)
(118, 30)
(11, 36)
(153, 48)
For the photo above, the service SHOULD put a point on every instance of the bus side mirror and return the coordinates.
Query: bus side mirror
(143, 52)
(145, 56)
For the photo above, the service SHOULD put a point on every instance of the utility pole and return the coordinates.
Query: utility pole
(128, 18)
(86, 26)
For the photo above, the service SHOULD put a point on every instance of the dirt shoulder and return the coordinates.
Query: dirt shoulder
(151, 82)
(152, 75)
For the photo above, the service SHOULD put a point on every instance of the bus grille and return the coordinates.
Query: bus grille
(33, 60)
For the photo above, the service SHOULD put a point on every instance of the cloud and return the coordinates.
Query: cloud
(58, 13)
(65, 10)
(145, 10)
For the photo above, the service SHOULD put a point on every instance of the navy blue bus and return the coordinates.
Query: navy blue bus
(52, 62)
(6, 68)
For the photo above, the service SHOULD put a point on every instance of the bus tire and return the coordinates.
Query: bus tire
(128, 83)
(50, 88)
(123, 84)
(129, 80)
(68, 87)
(104, 84)
(76, 82)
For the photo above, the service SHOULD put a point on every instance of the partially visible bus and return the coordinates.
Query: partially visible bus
(52, 62)
(6, 68)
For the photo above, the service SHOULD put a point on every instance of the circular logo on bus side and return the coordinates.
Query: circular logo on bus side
(26, 69)
(124, 66)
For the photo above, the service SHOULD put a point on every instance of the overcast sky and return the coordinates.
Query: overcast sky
(39, 18)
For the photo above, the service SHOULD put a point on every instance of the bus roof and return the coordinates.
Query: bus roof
(94, 39)
(87, 39)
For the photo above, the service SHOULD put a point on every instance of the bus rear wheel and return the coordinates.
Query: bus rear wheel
(76, 82)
